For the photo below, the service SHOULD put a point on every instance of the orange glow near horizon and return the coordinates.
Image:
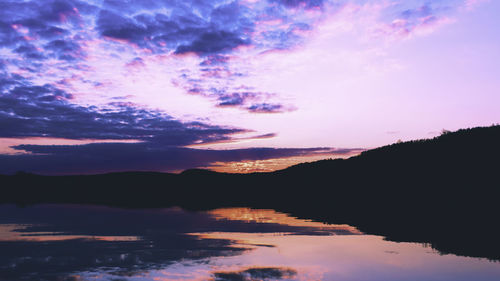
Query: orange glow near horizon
(270, 165)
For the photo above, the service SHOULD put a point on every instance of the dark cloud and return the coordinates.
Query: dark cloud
(8, 35)
(41, 18)
(235, 99)
(54, 35)
(44, 111)
(64, 49)
(146, 156)
(29, 51)
(266, 108)
(58, 11)
(114, 25)
(308, 4)
(202, 27)
(38, 30)
(212, 29)
(226, 95)
(242, 97)
(37, 27)
(213, 42)
(265, 136)
(50, 32)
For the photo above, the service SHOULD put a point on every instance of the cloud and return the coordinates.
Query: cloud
(58, 37)
(64, 49)
(185, 26)
(28, 110)
(33, 20)
(208, 85)
(266, 108)
(403, 20)
(29, 51)
(213, 42)
(200, 27)
(215, 60)
(210, 30)
(235, 99)
(145, 156)
(297, 3)
(265, 136)
(7, 34)
(116, 26)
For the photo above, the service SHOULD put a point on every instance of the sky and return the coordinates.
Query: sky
(237, 86)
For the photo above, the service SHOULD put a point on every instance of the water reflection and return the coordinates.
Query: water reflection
(270, 216)
(98, 243)
(17, 232)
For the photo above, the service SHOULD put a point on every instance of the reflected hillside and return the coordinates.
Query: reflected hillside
(442, 191)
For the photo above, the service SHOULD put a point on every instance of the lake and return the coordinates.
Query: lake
(72, 242)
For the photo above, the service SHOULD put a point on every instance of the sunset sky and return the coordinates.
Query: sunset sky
(240, 86)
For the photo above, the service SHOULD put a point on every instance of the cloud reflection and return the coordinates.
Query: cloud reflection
(53, 242)
(256, 273)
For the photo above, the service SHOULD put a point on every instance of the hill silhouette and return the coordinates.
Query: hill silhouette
(442, 191)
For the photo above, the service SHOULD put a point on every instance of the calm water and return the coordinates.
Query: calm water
(99, 243)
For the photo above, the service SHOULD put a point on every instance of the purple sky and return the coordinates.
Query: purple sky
(114, 85)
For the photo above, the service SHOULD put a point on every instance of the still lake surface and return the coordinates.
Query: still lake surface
(69, 242)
